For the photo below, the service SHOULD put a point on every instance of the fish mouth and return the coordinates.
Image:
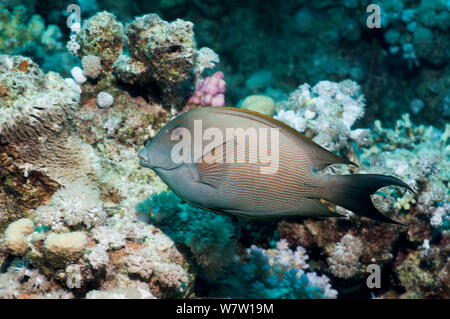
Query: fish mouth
(147, 164)
(144, 163)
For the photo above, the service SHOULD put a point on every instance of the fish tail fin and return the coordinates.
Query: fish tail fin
(353, 192)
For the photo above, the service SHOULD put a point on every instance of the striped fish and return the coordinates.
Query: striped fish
(212, 181)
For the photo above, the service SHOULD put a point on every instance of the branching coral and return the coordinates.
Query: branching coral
(208, 236)
(273, 273)
(325, 112)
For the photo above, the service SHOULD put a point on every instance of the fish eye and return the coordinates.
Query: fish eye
(147, 141)
(177, 132)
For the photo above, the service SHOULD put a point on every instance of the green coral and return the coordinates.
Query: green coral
(18, 31)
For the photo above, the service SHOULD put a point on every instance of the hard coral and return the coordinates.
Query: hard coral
(63, 249)
(38, 150)
(208, 236)
(162, 54)
(15, 235)
(102, 36)
(273, 273)
(325, 112)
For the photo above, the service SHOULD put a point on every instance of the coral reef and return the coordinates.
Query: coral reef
(38, 147)
(209, 237)
(416, 154)
(325, 112)
(161, 57)
(101, 36)
(24, 33)
(72, 170)
(79, 218)
(273, 273)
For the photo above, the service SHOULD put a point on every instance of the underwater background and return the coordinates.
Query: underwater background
(80, 218)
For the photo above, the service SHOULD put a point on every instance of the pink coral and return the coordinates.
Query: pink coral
(210, 91)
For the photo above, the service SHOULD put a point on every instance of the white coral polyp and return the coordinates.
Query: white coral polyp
(75, 205)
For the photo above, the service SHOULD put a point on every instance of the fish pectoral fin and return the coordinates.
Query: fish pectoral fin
(210, 173)
(211, 167)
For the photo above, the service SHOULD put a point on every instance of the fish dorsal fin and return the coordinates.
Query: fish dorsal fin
(320, 157)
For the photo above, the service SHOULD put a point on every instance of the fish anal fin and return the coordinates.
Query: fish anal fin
(311, 207)
(315, 208)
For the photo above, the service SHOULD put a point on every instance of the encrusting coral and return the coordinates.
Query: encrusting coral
(101, 36)
(161, 57)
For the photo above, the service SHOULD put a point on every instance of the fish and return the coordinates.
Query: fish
(226, 174)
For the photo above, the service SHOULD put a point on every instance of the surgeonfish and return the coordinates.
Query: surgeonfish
(215, 182)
